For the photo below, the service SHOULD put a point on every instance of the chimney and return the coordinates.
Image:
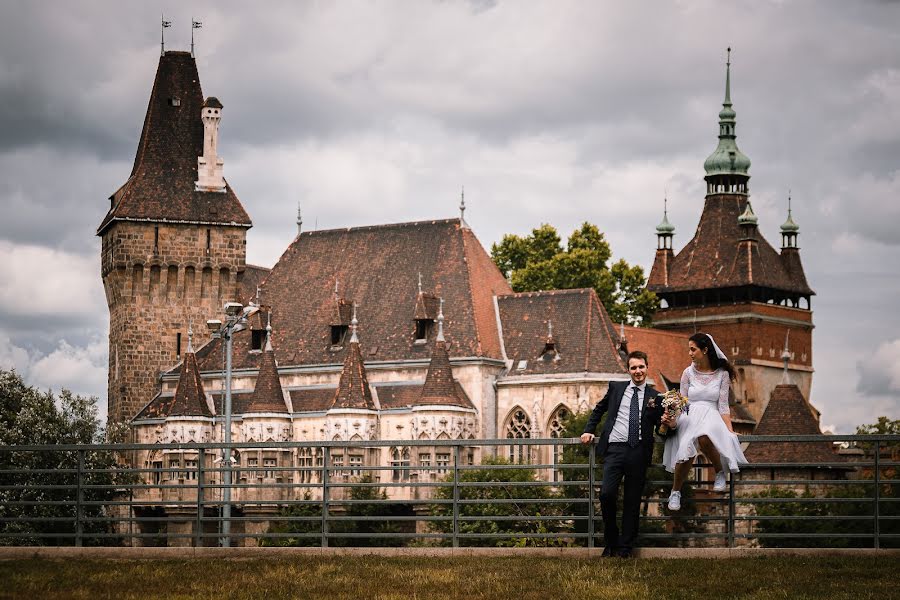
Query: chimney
(209, 166)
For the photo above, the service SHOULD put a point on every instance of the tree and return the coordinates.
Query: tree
(31, 417)
(512, 517)
(539, 262)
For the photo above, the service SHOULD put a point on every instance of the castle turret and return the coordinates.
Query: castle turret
(171, 253)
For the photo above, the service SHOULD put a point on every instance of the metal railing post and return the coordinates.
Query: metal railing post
(198, 533)
(877, 496)
(456, 497)
(79, 500)
(731, 512)
(326, 458)
(592, 454)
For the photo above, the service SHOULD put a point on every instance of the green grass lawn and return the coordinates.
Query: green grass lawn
(373, 577)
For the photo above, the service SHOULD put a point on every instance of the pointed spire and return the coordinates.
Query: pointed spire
(420, 282)
(194, 25)
(268, 395)
(462, 207)
(354, 339)
(353, 388)
(748, 217)
(162, 34)
(440, 387)
(789, 226)
(549, 330)
(337, 287)
(190, 398)
(665, 228)
(785, 357)
(727, 159)
(299, 219)
(190, 348)
(440, 320)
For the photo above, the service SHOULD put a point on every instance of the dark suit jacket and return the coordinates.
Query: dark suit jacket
(650, 417)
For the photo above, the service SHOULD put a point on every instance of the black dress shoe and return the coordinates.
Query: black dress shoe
(625, 553)
(608, 552)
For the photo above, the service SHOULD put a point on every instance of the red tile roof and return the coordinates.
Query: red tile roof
(717, 256)
(189, 400)
(666, 352)
(583, 334)
(788, 413)
(353, 388)
(161, 185)
(267, 395)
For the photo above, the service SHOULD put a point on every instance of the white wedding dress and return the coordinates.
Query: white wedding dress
(707, 395)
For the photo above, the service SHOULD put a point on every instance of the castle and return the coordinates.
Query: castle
(402, 331)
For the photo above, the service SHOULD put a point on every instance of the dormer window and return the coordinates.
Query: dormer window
(423, 328)
(174, 101)
(338, 334)
(550, 353)
(257, 340)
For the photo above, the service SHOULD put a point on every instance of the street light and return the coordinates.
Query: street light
(236, 315)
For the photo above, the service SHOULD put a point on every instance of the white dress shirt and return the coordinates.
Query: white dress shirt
(620, 427)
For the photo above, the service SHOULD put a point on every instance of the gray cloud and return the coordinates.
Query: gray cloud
(547, 112)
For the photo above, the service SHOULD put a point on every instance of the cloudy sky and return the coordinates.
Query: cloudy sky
(376, 112)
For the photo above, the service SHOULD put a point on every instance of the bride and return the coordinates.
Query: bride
(707, 424)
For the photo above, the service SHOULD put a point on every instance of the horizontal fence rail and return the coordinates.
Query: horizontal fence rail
(521, 492)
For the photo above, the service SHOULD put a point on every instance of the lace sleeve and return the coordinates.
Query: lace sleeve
(724, 387)
(685, 381)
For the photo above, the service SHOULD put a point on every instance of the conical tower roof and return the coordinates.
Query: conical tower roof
(353, 388)
(190, 398)
(440, 388)
(162, 181)
(268, 396)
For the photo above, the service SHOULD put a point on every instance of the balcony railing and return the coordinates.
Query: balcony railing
(394, 493)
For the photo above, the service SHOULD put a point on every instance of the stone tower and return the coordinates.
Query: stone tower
(729, 282)
(174, 239)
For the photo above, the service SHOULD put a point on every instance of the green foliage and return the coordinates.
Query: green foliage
(364, 506)
(528, 506)
(539, 262)
(31, 417)
(884, 426)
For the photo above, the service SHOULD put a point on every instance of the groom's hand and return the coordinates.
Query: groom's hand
(587, 438)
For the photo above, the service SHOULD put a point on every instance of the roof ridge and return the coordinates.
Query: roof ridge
(379, 226)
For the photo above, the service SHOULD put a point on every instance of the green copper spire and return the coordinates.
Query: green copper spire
(789, 226)
(748, 217)
(665, 228)
(727, 159)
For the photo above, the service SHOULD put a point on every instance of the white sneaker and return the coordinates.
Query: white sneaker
(719, 485)
(675, 500)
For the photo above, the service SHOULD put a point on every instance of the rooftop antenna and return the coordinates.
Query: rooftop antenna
(299, 219)
(194, 25)
(162, 34)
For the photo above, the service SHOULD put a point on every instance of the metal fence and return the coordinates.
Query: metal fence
(430, 492)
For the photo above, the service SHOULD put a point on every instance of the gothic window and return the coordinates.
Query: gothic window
(556, 428)
(305, 464)
(518, 427)
(399, 464)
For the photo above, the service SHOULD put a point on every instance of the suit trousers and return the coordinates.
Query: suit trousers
(621, 460)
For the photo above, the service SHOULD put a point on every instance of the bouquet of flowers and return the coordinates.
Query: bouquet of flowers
(673, 404)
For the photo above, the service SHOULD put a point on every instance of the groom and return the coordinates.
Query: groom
(626, 443)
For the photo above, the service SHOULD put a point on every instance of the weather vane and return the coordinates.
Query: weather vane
(162, 34)
(194, 25)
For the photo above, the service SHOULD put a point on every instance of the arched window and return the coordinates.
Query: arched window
(555, 426)
(399, 464)
(518, 426)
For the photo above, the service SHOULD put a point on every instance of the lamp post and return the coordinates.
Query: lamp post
(236, 315)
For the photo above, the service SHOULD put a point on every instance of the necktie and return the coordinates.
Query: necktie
(634, 419)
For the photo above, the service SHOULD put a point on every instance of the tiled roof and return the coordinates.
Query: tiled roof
(353, 388)
(440, 387)
(267, 395)
(716, 257)
(253, 276)
(788, 413)
(312, 399)
(161, 185)
(190, 400)
(666, 352)
(583, 335)
(377, 267)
